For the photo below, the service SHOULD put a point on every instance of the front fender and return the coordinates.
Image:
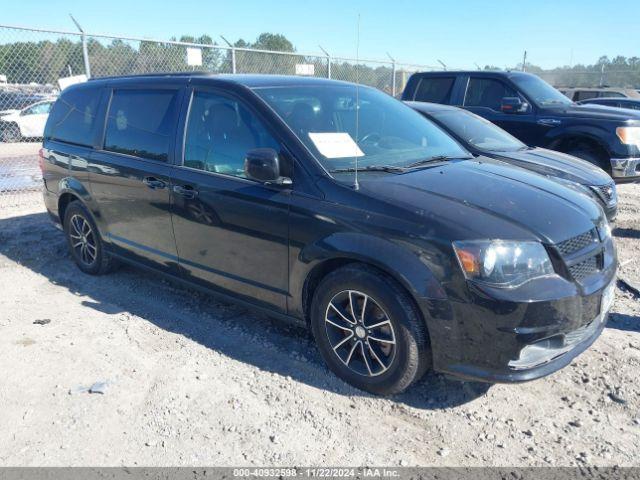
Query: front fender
(595, 134)
(401, 262)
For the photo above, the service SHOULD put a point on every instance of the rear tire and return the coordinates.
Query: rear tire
(85, 244)
(382, 348)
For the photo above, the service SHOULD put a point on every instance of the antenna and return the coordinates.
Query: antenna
(443, 64)
(356, 185)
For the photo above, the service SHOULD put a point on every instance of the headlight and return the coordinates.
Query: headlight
(604, 230)
(502, 263)
(629, 135)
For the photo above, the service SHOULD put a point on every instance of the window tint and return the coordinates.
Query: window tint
(220, 132)
(73, 116)
(434, 90)
(611, 94)
(141, 122)
(487, 92)
(585, 95)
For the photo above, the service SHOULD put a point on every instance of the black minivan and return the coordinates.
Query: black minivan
(338, 206)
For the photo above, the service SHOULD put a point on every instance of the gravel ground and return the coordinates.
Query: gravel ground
(191, 381)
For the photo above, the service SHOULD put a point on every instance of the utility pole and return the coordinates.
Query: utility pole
(524, 62)
(85, 52)
(602, 75)
(233, 54)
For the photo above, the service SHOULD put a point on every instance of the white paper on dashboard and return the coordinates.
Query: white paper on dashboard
(335, 145)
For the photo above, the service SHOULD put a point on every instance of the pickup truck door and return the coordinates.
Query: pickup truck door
(231, 232)
(484, 96)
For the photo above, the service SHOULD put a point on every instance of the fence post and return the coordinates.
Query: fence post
(393, 80)
(85, 51)
(85, 55)
(393, 74)
(233, 60)
(328, 60)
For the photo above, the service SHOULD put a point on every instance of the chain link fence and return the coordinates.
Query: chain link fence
(32, 62)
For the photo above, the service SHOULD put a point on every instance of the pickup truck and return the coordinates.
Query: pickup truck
(539, 115)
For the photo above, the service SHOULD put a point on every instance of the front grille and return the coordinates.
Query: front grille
(578, 242)
(582, 255)
(606, 193)
(581, 270)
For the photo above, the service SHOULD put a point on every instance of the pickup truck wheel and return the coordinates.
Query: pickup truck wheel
(591, 157)
(368, 330)
(84, 241)
(11, 134)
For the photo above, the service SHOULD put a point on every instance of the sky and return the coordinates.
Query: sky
(460, 33)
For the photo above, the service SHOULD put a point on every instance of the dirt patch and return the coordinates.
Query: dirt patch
(187, 380)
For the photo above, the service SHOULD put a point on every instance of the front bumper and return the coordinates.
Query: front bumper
(507, 340)
(625, 169)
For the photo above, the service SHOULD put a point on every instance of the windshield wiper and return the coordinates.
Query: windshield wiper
(435, 158)
(370, 168)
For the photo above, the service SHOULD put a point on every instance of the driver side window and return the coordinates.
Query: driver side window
(220, 132)
(487, 92)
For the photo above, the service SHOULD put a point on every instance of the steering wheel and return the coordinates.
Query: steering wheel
(373, 137)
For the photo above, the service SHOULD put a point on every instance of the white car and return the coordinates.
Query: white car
(26, 123)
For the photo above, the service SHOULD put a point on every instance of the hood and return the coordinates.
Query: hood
(482, 199)
(601, 112)
(556, 164)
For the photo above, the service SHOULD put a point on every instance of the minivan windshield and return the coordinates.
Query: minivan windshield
(339, 123)
(539, 91)
(477, 131)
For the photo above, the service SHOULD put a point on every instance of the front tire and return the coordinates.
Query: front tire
(591, 156)
(85, 244)
(368, 330)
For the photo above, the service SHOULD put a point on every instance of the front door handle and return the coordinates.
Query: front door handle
(153, 183)
(186, 191)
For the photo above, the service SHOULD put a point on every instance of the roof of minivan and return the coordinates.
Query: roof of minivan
(250, 81)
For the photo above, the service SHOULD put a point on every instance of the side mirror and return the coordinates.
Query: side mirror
(513, 105)
(263, 165)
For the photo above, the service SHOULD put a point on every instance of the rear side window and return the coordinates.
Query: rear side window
(611, 94)
(487, 92)
(435, 90)
(585, 95)
(141, 123)
(73, 117)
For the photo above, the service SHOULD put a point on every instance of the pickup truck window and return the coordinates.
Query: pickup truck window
(141, 122)
(434, 90)
(539, 91)
(487, 92)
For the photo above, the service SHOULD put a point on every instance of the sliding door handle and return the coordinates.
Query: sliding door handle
(153, 183)
(186, 191)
